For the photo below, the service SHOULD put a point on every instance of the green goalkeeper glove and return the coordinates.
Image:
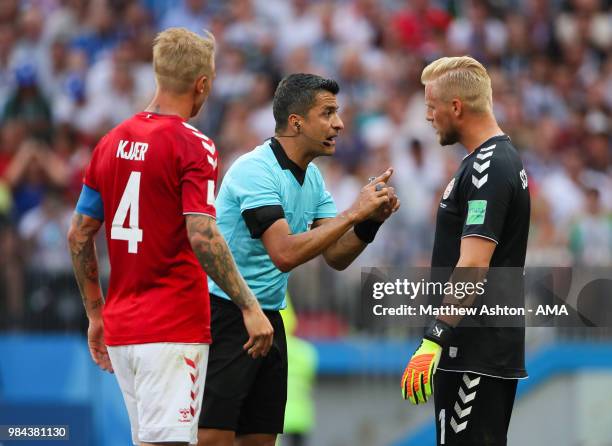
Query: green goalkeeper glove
(417, 380)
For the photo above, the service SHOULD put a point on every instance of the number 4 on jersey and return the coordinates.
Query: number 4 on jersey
(129, 202)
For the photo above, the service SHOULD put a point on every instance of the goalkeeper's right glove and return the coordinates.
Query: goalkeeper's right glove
(417, 380)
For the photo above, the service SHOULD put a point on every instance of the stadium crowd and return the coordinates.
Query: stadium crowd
(72, 69)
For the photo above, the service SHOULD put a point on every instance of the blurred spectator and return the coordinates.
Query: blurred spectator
(233, 78)
(55, 68)
(547, 242)
(30, 48)
(71, 102)
(261, 119)
(590, 237)
(419, 24)
(354, 23)
(66, 21)
(586, 22)
(302, 28)
(302, 362)
(99, 34)
(541, 29)
(54, 300)
(33, 169)
(7, 80)
(12, 296)
(9, 11)
(479, 33)
(235, 137)
(539, 95)
(564, 189)
(28, 104)
(353, 79)
(70, 69)
(44, 228)
(190, 14)
(114, 92)
(326, 49)
(244, 29)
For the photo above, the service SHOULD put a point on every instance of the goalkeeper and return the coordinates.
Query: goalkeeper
(482, 222)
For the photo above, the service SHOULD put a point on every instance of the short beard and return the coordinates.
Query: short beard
(449, 138)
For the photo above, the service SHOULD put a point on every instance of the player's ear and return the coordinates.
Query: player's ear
(203, 85)
(295, 122)
(457, 107)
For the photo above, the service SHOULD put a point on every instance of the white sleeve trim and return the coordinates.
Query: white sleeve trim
(481, 236)
(199, 213)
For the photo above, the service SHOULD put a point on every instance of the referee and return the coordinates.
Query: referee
(482, 222)
(275, 214)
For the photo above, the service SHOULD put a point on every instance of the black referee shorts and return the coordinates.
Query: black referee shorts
(471, 409)
(243, 394)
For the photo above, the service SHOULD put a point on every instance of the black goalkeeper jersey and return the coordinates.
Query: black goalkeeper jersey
(487, 197)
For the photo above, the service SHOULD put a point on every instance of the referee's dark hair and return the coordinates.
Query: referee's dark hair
(296, 94)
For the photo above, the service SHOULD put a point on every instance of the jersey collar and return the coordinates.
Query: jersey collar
(285, 162)
(492, 140)
(487, 143)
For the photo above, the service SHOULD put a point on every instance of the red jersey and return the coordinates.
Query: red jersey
(150, 171)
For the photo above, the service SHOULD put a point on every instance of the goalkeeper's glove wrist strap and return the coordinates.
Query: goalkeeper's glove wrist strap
(439, 332)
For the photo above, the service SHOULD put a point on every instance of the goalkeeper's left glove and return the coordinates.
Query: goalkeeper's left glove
(417, 380)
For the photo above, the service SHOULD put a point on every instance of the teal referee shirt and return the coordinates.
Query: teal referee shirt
(258, 189)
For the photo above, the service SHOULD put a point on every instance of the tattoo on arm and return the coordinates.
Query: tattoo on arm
(85, 261)
(216, 259)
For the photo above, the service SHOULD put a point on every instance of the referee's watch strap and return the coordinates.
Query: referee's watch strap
(439, 332)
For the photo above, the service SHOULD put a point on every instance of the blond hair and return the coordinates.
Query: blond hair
(464, 78)
(180, 57)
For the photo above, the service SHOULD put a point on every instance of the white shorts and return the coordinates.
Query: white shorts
(162, 385)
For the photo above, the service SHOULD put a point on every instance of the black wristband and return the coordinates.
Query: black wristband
(366, 230)
(439, 332)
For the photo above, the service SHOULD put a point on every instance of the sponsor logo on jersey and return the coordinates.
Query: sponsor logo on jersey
(524, 180)
(448, 189)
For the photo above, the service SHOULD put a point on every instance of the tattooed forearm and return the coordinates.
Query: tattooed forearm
(85, 262)
(216, 259)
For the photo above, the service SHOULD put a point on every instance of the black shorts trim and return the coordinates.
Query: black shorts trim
(242, 394)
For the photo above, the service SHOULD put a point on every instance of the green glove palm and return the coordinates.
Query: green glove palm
(417, 381)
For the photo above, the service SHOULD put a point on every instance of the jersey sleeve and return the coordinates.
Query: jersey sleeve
(488, 192)
(90, 178)
(326, 207)
(198, 177)
(254, 185)
(90, 203)
(257, 192)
